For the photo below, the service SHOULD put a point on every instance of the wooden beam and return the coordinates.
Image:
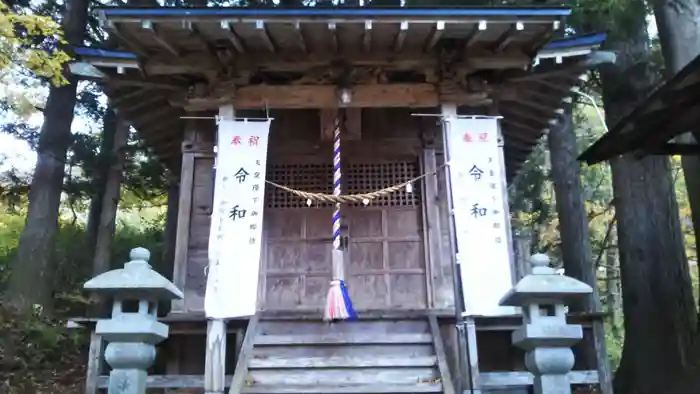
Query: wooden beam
(333, 34)
(119, 98)
(508, 380)
(513, 138)
(184, 214)
(520, 125)
(434, 36)
(241, 371)
(166, 112)
(125, 39)
(203, 41)
(301, 42)
(325, 96)
(525, 92)
(478, 29)
(153, 82)
(215, 357)
(526, 115)
(231, 35)
(674, 100)
(265, 35)
(327, 117)
(505, 39)
(367, 37)
(400, 37)
(542, 37)
(534, 104)
(148, 26)
(94, 366)
(443, 367)
(471, 60)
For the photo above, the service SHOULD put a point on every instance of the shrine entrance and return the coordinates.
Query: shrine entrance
(383, 242)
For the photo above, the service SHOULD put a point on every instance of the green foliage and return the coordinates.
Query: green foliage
(31, 42)
(73, 265)
(40, 356)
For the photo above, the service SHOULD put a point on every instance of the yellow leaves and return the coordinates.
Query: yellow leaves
(19, 48)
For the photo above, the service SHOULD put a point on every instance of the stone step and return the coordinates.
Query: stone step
(344, 389)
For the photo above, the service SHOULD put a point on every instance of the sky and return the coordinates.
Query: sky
(18, 154)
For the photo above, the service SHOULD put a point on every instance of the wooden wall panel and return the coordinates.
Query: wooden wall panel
(385, 259)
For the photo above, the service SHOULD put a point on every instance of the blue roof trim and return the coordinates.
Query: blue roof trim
(587, 40)
(87, 51)
(335, 12)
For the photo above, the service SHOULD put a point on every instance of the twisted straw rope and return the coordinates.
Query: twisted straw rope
(354, 198)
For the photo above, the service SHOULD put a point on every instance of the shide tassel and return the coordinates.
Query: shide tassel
(338, 303)
(339, 306)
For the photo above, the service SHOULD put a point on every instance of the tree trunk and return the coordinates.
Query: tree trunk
(575, 240)
(571, 210)
(659, 310)
(110, 201)
(678, 24)
(109, 127)
(31, 278)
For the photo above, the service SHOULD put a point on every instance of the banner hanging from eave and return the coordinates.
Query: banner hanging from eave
(480, 206)
(235, 237)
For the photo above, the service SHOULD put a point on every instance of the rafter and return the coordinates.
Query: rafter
(333, 32)
(367, 37)
(400, 37)
(301, 42)
(151, 28)
(261, 28)
(434, 36)
(507, 37)
(475, 33)
(231, 35)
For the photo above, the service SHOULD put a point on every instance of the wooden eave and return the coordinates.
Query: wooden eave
(492, 55)
(673, 109)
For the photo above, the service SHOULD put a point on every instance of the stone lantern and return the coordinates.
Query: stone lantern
(545, 335)
(131, 336)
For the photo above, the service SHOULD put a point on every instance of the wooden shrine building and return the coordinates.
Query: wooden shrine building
(176, 69)
(652, 128)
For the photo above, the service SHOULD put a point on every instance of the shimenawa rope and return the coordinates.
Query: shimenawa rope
(354, 198)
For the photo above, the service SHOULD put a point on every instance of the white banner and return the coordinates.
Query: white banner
(477, 177)
(237, 219)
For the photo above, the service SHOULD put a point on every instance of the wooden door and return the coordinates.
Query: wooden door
(384, 259)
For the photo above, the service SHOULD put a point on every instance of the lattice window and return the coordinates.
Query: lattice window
(363, 178)
(358, 178)
(315, 178)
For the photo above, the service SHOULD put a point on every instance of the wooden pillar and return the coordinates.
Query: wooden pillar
(184, 212)
(431, 221)
(467, 332)
(94, 365)
(215, 357)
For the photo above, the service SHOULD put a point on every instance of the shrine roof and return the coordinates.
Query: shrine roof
(173, 60)
(349, 13)
(671, 110)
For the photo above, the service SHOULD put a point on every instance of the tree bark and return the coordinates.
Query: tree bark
(109, 127)
(110, 201)
(31, 278)
(571, 210)
(659, 309)
(575, 241)
(679, 32)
